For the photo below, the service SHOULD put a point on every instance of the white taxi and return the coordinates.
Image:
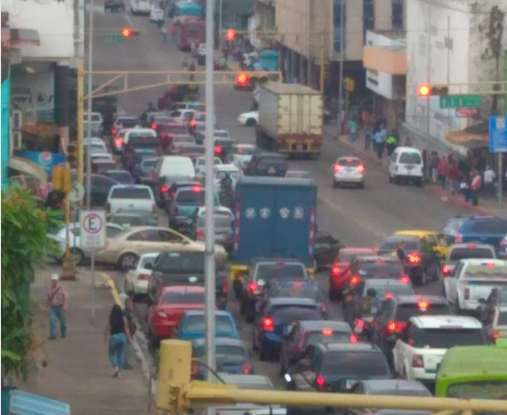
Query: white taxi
(419, 351)
(472, 280)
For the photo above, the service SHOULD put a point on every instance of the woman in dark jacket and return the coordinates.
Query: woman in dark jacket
(116, 335)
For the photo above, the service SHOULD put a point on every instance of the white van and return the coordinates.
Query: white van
(406, 163)
(171, 167)
(141, 6)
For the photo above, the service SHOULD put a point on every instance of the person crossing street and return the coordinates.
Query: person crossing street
(57, 301)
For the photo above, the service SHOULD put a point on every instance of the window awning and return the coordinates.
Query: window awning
(467, 139)
(28, 167)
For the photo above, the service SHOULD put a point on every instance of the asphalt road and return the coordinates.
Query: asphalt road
(357, 217)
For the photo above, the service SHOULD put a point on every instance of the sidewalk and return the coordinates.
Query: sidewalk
(78, 371)
(486, 206)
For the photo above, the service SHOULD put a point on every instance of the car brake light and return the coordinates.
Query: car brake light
(323, 308)
(495, 336)
(143, 277)
(353, 338)
(395, 326)
(360, 324)
(154, 126)
(423, 305)
(246, 369)
(218, 150)
(192, 123)
(268, 324)
(327, 332)
(335, 270)
(114, 131)
(162, 314)
(320, 381)
(446, 270)
(458, 238)
(417, 360)
(414, 258)
(338, 167)
(471, 246)
(360, 168)
(354, 280)
(467, 293)
(389, 296)
(253, 286)
(118, 141)
(164, 189)
(405, 279)
(225, 286)
(490, 264)
(199, 234)
(196, 189)
(298, 284)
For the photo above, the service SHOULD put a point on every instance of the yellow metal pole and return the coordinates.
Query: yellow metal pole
(322, 63)
(68, 272)
(80, 121)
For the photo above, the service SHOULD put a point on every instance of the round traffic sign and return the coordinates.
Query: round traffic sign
(92, 223)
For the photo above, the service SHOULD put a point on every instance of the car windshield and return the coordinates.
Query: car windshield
(232, 174)
(234, 352)
(183, 297)
(354, 364)
(267, 272)
(381, 269)
(405, 311)
(410, 158)
(443, 338)
(333, 337)
(466, 253)
(128, 122)
(189, 197)
(131, 220)
(141, 153)
(121, 176)
(131, 193)
(392, 244)
(175, 129)
(196, 324)
(181, 262)
(486, 271)
(284, 313)
(183, 140)
(297, 291)
(453, 225)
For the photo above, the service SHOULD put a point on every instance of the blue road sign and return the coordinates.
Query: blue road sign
(498, 134)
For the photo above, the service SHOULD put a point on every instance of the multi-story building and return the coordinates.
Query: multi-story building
(459, 44)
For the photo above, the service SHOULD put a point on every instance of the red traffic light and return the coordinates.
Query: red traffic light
(126, 32)
(242, 79)
(423, 90)
(230, 34)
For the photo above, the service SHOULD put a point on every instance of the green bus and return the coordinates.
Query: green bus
(473, 372)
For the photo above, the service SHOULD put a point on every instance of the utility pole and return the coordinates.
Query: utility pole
(80, 120)
(220, 23)
(209, 270)
(428, 48)
(342, 56)
(322, 41)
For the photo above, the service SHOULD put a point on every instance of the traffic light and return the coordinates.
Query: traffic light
(242, 79)
(126, 32)
(62, 179)
(72, 155)
(230, 34)
(350, 84)
(426, 90)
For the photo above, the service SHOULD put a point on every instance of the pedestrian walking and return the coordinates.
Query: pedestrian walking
(57, 301)
(391, 144)
(128, 313)
(352, 130)
(442, 171)
(191, 69)
(163, 30)
(116, 335)
(367, 137)
(454, 176)
(434, 160)
(173, 33)
(380, 139)
(489, 182)
(475, 186)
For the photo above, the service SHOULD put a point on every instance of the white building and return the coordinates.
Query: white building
(455, 43)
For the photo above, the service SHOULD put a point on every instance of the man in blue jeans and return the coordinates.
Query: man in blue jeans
(57, 302)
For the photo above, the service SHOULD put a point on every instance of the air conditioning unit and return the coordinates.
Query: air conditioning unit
(16, 124)
(17, 120)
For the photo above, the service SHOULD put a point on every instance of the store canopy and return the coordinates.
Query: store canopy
(467, 139)
(23, 403)
(28, 167)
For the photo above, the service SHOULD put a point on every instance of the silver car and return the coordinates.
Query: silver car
(223, 226)
(348, 170)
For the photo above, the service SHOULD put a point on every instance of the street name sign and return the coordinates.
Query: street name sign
(461, 101)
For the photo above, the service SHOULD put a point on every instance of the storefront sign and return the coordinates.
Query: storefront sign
(44, 159)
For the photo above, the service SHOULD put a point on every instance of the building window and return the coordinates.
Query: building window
(397, 14)
(368, 16)
(339, 43)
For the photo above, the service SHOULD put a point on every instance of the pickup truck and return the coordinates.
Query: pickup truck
(128, 197)
(184, 268)
(472, 281)
(465, 251)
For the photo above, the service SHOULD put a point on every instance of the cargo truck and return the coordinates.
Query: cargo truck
(274, 218)
(290, 119)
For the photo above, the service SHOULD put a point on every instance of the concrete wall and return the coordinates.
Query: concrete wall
(54, 20)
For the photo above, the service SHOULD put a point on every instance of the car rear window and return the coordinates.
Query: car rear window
(221, 134)
(232, 174)
(466, 253)
(183, 140)
(410, 158)
(352, 162)
(444, 338)
(297, 291)
(486, 272)
(405, 311)
(192, 150)
(223, 350)
(354, 364)
(178, 297)
(334, 337)
(381, 269)
(144, 140)
(131, 193)
(272, 162)
(196, 323)
(295, 313)
(491, 226)
(197, 107)
(266, 272)
(181, 262)
(190, 197)
(410, 245)
(121, 177)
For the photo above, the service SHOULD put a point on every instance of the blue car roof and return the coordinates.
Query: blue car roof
(220, 341)
(201, 313)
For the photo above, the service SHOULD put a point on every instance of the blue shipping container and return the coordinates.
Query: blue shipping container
(277, 219)
(188, 9)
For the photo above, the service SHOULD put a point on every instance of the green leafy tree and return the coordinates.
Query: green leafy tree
(25, 248)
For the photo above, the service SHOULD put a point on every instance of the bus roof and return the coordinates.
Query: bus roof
(466, 363)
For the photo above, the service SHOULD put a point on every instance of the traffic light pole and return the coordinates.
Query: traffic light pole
(80, 121)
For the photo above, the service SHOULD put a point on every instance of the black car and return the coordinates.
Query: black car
(121, 176)
(267, 164)
(224, 147)
(114, 5)
(307, 332)
(325, 249)
(422, 264)
(388, 324)
(336, 367)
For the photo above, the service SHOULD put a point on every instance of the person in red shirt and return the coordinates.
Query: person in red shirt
(475, 186)
(442, 171)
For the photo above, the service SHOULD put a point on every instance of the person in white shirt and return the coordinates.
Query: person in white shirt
(489, 181)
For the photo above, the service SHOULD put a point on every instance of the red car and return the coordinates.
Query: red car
(172, 302)
(340, 267)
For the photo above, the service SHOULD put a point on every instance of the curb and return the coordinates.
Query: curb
(114, 291)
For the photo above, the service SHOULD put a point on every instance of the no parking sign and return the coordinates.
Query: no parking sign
(93, 228)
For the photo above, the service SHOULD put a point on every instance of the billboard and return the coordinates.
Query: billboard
(45, 159)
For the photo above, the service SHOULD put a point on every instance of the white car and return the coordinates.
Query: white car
(182, 116)
(224, 170)
(136, 279)
(348, 170)
(156, 15)
(97, 123)
(419, 351)
(406, 163)
(130, 197)
(124, 121)
(503, 247)
(221, 134)
(200, 164)
(241, 155)
(249, 119)
(101, 156)
(95, 145)
(472, 280)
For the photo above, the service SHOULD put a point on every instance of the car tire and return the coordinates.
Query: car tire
(125, 260)
(250, 122)
(77, 256)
